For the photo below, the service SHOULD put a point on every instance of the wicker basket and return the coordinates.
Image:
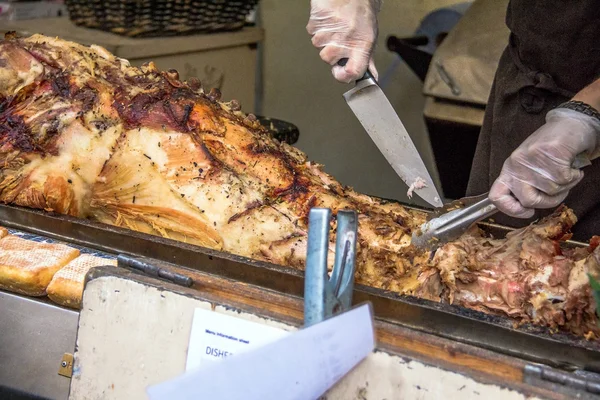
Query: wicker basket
(144, 18)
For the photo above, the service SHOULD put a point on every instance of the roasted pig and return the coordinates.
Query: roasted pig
(84, 133)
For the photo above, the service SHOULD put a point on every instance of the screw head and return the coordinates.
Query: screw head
(63, 364)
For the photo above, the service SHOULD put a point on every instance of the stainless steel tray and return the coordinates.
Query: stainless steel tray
(497, 333)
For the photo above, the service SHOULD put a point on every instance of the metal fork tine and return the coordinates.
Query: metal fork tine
(325, 297)
(342, 277)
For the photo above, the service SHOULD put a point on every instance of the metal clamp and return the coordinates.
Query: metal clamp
(325, 297)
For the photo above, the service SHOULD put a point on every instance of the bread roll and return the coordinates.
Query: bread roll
(27, 267)
(66, 287)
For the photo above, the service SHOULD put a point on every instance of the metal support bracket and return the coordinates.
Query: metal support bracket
(325, 297)
(66, 365)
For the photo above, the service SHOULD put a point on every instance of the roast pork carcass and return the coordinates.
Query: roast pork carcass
(84, 133)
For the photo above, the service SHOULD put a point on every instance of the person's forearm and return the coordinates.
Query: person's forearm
(590, 95)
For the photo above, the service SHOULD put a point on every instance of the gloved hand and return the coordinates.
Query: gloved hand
(539, 173)
(345, 29)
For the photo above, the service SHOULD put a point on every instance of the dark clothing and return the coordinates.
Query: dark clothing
(558, 37)
(553, 52)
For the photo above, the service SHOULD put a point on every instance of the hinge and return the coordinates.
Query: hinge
(153, 267)
(580, 384)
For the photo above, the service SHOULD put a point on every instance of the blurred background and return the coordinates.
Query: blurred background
(436, 60)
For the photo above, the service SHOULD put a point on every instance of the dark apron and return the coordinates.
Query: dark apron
(553, 52)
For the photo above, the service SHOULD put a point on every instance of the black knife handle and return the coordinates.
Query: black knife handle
(342, 62)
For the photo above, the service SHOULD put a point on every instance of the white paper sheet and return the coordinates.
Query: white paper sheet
(215, 336)
(300, 366)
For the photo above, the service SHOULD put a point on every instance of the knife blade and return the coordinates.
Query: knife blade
(377, 116)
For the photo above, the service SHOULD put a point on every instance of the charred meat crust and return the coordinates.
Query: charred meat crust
(60, 84)
(15, 132)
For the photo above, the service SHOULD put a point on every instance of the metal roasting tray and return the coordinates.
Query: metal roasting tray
(529, 342)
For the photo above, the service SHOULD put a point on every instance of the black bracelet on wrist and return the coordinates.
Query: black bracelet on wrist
(581, 107)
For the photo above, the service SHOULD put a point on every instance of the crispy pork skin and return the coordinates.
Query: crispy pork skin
(84, 133)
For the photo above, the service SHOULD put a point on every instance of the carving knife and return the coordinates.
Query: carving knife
(378, 118)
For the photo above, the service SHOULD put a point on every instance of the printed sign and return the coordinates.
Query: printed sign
(300, 365)
(215, 336)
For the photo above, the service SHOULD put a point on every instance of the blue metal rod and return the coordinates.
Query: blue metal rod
(315, 284)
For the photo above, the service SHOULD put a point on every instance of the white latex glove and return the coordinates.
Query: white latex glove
(345, 29)
(538, 174)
